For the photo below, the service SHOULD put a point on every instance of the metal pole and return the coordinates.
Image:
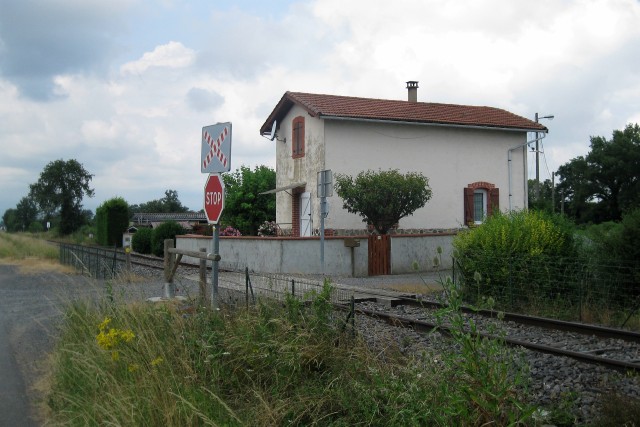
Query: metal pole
(202, 284)
(169, 288)
(537, 165)
(323, 201)
(553, 192)
(214, 267)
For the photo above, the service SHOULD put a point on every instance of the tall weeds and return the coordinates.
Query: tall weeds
(269, 365)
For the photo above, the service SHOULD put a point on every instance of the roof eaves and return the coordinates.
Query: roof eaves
(433, 123)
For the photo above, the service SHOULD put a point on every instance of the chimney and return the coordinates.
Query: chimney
(412, 87)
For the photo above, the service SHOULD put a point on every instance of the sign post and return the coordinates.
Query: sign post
(325, 189)
(215, 159)
(213, 207)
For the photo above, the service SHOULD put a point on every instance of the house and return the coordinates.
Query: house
(475, 157)
(187, 220)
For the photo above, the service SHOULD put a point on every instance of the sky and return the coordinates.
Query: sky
(125, 86)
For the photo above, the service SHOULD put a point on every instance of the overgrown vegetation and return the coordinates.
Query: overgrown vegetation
(534, 262)
(509, 250)
(270, 365)
(17, 246)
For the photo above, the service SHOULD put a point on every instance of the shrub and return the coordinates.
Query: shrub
(512, 253)
(268, 228)
(166, 230)
(141, 240)
(229, 231)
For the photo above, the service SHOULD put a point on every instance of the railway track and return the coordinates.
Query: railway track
(609, 347)
(611, 352)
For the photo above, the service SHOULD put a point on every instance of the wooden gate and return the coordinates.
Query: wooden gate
(379, 255)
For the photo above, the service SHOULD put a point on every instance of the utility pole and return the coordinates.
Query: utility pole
(537, 192)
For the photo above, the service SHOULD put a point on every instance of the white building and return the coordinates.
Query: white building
(473, 156)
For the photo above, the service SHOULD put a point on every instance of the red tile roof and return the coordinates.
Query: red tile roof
(347, 107)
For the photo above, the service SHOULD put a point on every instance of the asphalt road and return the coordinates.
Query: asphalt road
(30, 311)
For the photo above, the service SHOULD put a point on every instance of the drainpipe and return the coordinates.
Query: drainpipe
(509, 156)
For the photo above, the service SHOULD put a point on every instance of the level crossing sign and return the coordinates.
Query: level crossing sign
(216, 148)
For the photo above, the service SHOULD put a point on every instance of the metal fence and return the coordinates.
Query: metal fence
(278, 287)
(569, 288)
(100, 263)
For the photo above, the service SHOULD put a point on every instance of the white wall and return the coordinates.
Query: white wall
(304, 169)
(451, 158)
(302, 255)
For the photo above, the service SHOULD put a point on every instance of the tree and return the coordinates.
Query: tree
(606, 182)
(383, 198)
(9, 218)
(170, 203)
(544, 202)
(26, 213)
(60, 190)
(244, 207)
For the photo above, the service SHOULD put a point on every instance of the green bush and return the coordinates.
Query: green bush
(141, 240)
(166, 230)
(513, 254)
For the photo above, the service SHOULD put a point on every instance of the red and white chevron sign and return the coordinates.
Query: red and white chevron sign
(216, 148)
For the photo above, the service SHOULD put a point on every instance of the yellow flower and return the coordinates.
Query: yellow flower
(133, 367)
(158, 360)
(115, 356)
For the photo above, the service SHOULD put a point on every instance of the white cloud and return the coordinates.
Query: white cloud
(137, 127)
(170, 55)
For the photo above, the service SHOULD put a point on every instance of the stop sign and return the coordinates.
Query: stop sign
(213, 198)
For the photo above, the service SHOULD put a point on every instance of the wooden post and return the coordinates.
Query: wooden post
(127, 252)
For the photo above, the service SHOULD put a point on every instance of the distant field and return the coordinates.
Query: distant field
(31, 254)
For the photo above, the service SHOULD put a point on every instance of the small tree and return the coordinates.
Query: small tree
(60, 189)
(383, 198)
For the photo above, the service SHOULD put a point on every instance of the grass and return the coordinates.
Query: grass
(274, 364)
(30, 254)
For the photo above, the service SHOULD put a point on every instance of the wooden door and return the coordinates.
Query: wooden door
(379, 255)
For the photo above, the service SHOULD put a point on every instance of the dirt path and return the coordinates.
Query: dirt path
(29, 314)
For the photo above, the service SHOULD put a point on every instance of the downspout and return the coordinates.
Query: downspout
(509, 156)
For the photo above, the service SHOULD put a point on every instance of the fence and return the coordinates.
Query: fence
(567, 288)
(100, 263)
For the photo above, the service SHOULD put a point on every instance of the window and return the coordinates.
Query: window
(480, 200)
(297, 137)
(479, 206)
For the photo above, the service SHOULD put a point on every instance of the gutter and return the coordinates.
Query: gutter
(404, 122)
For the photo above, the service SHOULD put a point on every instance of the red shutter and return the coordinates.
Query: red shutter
(302, 138)
(297, 137)
(468, 205)
(494, 201)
